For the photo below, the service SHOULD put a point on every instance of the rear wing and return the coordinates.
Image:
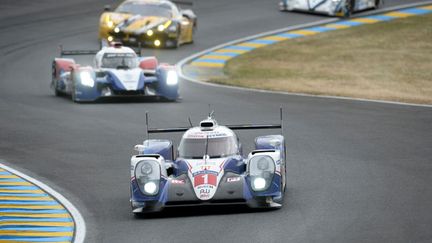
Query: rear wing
(76, 52)
(188, 3)
(89, 52)
(232, 127)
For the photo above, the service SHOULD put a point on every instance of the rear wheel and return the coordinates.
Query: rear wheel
(378, 3)
(177, 43)
(348, 8)
(283, 6)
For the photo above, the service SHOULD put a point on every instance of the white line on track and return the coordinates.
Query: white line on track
(80, 227)
(182, 62)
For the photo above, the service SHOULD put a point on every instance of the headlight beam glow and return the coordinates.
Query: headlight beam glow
(172, 77)
(150, 187)
(86, 79)
(259, 183)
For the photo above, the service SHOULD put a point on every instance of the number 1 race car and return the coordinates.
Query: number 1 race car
(117, 71)
(208, 169)
(156, 23)
(343, 8)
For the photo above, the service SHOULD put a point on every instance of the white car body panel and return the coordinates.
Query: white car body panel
(330, 7)
(129, 78)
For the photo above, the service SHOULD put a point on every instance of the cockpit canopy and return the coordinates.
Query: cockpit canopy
(149, 8)
(119, 60)
(195, 147)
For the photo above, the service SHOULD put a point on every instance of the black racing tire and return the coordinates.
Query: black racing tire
(348, 8)
(378, 3)
(281, 200)
(176, 44)
(54, 81)
(56, 91)
(73, 96)
(138, 215)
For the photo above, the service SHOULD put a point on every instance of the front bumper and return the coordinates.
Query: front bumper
(165, 39)
(177, 192)
(104, 91)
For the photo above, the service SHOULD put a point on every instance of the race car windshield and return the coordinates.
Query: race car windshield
(161, 10)
(119, 60)
(194, 148)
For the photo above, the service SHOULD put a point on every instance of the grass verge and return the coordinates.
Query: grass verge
(385, 61)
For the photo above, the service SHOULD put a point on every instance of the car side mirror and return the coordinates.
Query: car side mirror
(187, 13)
(139, 148)
(65, 75)
(107, 8)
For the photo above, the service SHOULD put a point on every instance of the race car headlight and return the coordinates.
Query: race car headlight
(150, 187)
(259, 183)
(149, 32)
(116, 29)
(157, 43)
(87, 79)
(261, 171)
(162, 27)
(172, 77)
(147, 174)
(110, 24)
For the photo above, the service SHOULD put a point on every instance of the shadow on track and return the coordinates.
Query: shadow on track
(194, 211)
(123, 99)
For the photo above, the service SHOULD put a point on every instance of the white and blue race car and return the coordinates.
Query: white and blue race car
(208, 168)
(342, 8)
(117, 71)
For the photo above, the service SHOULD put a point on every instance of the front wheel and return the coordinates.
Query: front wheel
(283, 6)
(56, 91)
(73, 90)
(54, 80)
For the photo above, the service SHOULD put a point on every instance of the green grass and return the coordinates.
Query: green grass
(386, 61)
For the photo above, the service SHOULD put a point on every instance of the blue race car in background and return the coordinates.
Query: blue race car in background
(117, 71)
(208, 168)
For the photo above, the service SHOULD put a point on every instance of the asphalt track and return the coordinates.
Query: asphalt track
(357, 171)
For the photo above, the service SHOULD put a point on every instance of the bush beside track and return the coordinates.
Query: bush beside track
(386, 61)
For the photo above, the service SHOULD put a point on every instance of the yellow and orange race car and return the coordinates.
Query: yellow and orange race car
(156, 23)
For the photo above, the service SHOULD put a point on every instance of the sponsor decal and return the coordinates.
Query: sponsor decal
(217, 135)
(205, 172)
(206, 167)
(177, 181)
(197, 135)
(113, 55)
(233, 179)
(205, 179)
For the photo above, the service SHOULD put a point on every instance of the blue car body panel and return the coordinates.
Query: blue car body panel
(235, 180)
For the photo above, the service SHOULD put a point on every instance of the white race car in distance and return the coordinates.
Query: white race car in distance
(342, 8)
